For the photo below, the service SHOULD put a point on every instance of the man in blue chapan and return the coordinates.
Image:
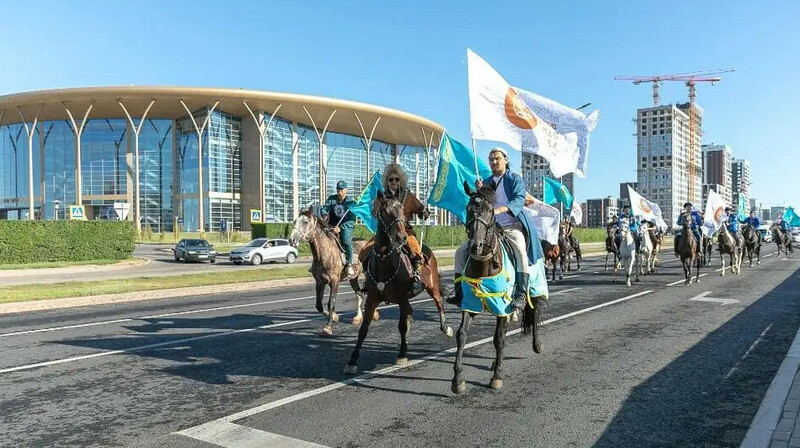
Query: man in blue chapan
(696, 223)
(753, 222)
(733, 225)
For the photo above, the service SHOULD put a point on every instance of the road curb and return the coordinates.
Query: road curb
(769, 413)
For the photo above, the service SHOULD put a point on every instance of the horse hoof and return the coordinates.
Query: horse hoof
(449, 332)
(759, 263)
(496, 384)
(401, 361)
(350, 370)
(326, 331)
(376, 315)
(628, 283)
(459, 388)
(537, 347)
(358, 319)
(335, 317)
(515, 316)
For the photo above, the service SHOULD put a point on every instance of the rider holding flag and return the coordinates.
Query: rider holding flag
(633, 225)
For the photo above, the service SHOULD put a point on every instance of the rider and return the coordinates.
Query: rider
(733, 225)
(754, 223)
(395, 182)
(569, 225)
(508, 203)
(626, 215)
(337, 208)
(696, 220)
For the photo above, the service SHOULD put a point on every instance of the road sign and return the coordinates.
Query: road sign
(122, 209)
(255, 215)
(77, 212)
(180, 220)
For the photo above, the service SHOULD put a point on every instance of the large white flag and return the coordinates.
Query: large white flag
(498, 113)
(646, 209)
(545, 219)
(715, 213)
(564, 120)
(576, 214)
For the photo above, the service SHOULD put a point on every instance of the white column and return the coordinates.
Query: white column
(137, 215)
(295, 178)
(321, 140)
(29, 130)
(78, 131)
(199, 130)
(263, 129)
(367, 140)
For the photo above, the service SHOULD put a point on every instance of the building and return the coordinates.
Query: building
(260, 150)
(663, 139)
(624, 195)
(535, 168)
(598, 211)
(766, 214)
(718, 171)
(584, 215)
(775, 213)
(755, 205)
(741, 181)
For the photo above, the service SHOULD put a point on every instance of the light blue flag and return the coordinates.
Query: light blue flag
(555, 191)
(790, 216)
(456, 165)
(742, 209)
(363, 203)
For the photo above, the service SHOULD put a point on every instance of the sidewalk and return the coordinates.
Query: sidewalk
(776, 424)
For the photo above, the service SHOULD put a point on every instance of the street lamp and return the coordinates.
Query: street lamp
(56, 203)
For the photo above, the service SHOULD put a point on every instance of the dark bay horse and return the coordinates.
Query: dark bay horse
(327, 266)
(389, 272)
(752, 243)
(728, 246)
(688, 250)
(707, 249)
(783, 240)
(552, 253)
(611, 246)
(486, 260)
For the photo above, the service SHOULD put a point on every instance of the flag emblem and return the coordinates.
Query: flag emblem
(517, 112)
(643, 204)
(717, 214)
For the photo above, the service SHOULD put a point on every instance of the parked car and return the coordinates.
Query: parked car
(264, 249)
(190, 249)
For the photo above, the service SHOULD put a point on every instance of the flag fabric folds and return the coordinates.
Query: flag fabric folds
(564, 120)
(363, 203)
(715, 216)
(555, 191)
(790, 216)
(456, 165)
(576, 214)
(646, 209)
(742, 208)
(498, 113)
(545, 220)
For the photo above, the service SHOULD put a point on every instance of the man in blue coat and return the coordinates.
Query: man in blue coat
(696, 224)
(626, 215)
(753, 222)
(509, 201)
(733, 225)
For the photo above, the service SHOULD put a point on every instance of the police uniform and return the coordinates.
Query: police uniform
(339, 214)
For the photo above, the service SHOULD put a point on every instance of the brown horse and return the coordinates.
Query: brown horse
(752, 243)
(707, 249)
(486, 260)
(728, 246)
(389, 273)
(552, 253)
(611, 246)
(657, 237)
(327, 266)
(783, 240)
(688, 250)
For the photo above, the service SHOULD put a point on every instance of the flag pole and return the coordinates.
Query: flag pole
(475, 158)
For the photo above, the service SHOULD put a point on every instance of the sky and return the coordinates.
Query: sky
(411, 56)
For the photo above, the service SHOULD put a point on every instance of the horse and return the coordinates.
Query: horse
(688, 250)
(646, 251)
(552, 253)
(783, 240)
(486, 260)
(389, 274)
(657, 239)
(707, 249)
(568, 248)
(327, 266)
(611, 247)
(727, 245)
(752, 243)
(628, 255)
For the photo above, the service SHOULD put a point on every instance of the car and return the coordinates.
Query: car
(194, 249)
(766, 235)
(264, 249)
(796, 236)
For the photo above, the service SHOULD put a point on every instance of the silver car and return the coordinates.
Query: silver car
(264, 249)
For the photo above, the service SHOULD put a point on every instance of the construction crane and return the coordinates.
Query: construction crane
(691, 79)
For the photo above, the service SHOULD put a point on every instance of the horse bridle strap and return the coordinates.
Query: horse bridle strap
(490, 229)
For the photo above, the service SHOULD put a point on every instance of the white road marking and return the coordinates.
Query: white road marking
(231, 435)
(386, 370)
(564, 291)
(750, 349)
(703, 297)
(573, 276)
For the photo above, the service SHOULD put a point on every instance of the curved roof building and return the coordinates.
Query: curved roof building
(132, 153)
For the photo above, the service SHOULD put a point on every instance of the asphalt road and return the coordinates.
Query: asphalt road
(623, 366)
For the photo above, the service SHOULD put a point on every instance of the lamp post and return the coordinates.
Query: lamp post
(56, 203)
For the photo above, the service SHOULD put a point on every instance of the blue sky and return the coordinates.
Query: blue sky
(411, 56)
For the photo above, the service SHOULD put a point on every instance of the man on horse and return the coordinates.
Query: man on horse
(569, 227)
(733, 225)
(626, 215)
(754, 223)
(508, 203)
(696, 224)
(341, 220)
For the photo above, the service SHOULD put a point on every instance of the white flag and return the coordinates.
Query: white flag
(498, 113)
(564, 119)
(715, 213)
(647, 209)
(576, 214)
(545, 219)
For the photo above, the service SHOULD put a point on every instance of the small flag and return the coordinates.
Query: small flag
(790, 216)
(555, 191)
(363, 203)
(456, 165)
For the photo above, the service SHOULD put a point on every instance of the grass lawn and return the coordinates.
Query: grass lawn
(60, 264)
(23, 293)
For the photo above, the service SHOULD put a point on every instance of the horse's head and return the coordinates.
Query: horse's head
(480, 219)
(304, 227)
(391, 219)
(687, 221)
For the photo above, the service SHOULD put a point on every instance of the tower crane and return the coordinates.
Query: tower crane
(691, 79)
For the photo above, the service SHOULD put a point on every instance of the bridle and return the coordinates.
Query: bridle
(491, 232)
(395, 247)
(304, 236)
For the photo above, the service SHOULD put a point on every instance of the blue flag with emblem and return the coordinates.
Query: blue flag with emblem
(790, 216)
(742, 208)
(363, 203)
(555, 191)
(456, 165)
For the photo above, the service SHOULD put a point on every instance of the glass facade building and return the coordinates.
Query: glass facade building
(169, 186)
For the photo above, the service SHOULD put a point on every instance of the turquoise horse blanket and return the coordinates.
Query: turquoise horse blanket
(494, 294)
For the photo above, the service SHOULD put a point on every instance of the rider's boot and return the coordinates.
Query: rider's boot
(520, 298)
(416, 281)
(349, 270)
(458, 294)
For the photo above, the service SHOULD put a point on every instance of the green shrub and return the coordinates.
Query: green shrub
(41, 241)
(585, 235)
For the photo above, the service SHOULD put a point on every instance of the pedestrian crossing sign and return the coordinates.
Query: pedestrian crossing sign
(77, 212)
(255, 215)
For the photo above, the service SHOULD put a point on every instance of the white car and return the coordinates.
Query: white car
(796, 236)
(264, 249)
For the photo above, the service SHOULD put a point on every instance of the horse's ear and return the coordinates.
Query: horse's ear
(493, 185)
(467, 190)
